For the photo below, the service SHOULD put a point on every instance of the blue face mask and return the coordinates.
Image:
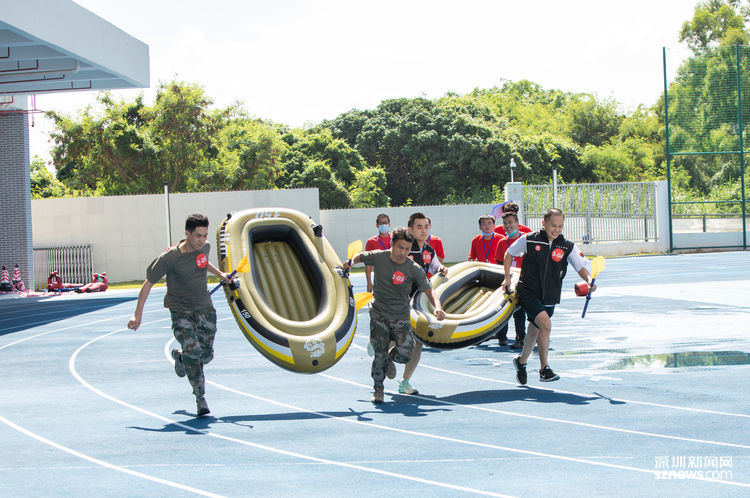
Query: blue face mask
(383, 229)
(487, 234)
(513, 233)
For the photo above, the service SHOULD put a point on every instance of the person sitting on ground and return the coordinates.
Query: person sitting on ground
(380, 241)
(389, 311)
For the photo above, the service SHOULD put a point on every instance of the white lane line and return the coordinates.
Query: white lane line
(74, 372)
(646, 403)
(102, 463)
(58, 330)
(462, 441)
(83, 456)
(547, 419)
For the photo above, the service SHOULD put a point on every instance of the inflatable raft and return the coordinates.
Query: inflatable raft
(475, 306)
(293, 304)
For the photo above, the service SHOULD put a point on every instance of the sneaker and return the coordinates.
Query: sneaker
(391, 372)
(377, 396)
(179, 368)
(405, 388)
(202, 406)
(517, 345)
(520, 370)
(547, 375)
(502, 342)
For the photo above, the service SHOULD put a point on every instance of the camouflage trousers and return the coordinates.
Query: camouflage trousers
(382, 332)
(195, 331)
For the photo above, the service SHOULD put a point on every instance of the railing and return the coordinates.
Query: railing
(74, 264)
(606, 212)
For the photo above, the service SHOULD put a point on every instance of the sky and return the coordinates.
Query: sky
(299, 62)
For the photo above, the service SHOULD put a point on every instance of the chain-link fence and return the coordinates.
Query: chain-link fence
(706, 108)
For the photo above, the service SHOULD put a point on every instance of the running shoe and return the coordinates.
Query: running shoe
(547, 375)
(377, 396)
(405, 388)
(391, 371)
(202, 406)
(179, 368)
(520, 370)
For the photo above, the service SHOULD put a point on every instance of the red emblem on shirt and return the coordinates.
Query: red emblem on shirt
(398, 278)
(558, 254)
(201, 260)
(538, 247)
(426, 257)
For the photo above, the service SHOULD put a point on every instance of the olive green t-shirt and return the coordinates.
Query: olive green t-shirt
(187, 280)
(392, 284)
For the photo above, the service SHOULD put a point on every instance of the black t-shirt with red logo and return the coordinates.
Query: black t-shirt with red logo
(392, 284)
(545, 264)
(187, 280)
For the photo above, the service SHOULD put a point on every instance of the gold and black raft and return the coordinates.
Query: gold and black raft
(475, 306)
(293, 303)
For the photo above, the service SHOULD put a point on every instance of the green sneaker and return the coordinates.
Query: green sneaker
(405, 388)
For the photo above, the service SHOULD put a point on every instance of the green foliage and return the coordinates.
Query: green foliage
(714, 23)
(43, 182)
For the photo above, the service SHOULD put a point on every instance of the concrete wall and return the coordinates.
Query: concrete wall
(15, 199)
(127, 232)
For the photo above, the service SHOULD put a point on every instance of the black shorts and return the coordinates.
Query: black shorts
(533, 306)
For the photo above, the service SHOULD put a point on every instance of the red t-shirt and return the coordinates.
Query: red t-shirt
(521, 228)
(437, 244)
(377, 242)
(484, 250)
(502, 247)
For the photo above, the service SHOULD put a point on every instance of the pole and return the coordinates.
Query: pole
(554, 187)
(742, 149)
(668, 152)
(168, 214)
(512, 168)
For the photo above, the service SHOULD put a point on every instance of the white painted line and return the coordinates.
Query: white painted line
(646, 403)
(74, 372)
(460, 441)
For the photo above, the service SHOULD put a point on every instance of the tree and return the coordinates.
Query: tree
(714, 23)
(43, 182)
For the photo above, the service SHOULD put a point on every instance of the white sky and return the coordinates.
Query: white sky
(302, 61)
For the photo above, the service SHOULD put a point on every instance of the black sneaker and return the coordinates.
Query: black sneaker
(520, 371)
(547, 375)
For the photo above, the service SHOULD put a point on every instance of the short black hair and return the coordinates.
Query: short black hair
(510, 207)
(416, 216)
(382, 215)
(194, 221)
(508, 214)
(401, 233)
(552, 212)
(486, 217)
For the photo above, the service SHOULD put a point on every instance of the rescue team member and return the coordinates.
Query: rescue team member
(546, 255)
(193, 315)
(512, 228)
(435, 242)
(426, 257)
(510, 207)
(389, 311)
(380, 241)
(484, 245)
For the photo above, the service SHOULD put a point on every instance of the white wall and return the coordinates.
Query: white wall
(127, 232)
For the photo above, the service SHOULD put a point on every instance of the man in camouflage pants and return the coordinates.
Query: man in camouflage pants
(389, 313)
(193, 315)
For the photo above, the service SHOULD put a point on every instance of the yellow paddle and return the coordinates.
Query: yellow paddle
(242, 267)
(351, 250)
(597, 265)
(361, 299)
